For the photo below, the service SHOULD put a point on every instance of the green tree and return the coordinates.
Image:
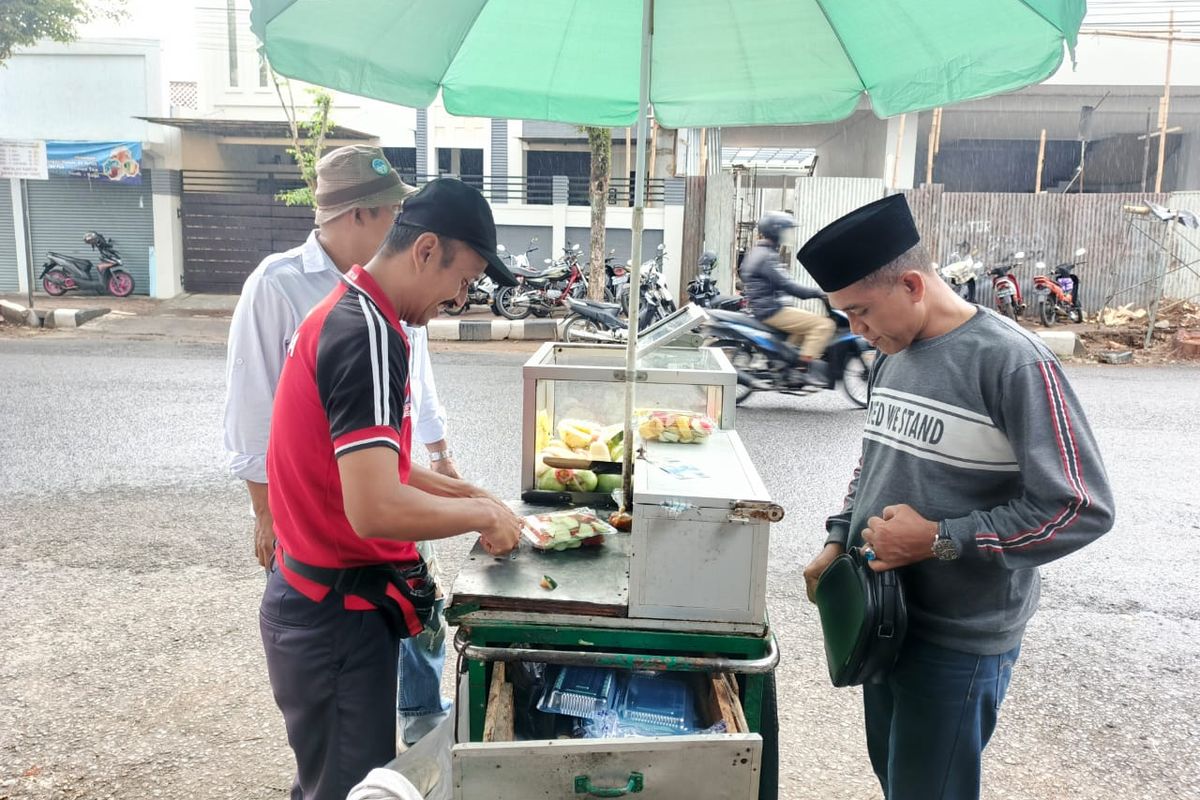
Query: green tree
(27, 22)
(600, 142)
(308, 140)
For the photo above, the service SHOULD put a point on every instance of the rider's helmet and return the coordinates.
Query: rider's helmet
(774, 223)
(90, 238)
(707, 259)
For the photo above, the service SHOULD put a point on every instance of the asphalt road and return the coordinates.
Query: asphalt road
(130, 661)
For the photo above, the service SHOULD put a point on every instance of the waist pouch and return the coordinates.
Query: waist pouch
(371, 582)
(863, 619)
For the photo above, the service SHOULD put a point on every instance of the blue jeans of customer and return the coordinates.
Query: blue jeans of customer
(928, 723)
(420, 705)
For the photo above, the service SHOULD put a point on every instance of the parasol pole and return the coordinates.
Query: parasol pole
(635, 263)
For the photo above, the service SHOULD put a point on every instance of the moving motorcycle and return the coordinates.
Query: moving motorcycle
(763, 357)
(1006, 288)
(963, 271)
(62, 273)
(1059, 297)
(541, 291)
(702, 290)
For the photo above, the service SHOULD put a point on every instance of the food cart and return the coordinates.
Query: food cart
(682, 593)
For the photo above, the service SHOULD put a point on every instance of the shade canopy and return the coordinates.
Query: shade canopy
(714, 62)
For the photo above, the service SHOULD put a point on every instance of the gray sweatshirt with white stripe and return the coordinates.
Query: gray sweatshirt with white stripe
(979, 430)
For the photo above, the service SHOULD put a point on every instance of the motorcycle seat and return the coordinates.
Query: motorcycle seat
(601, 305)
(534, 274)
(739, 318)
(71, 259)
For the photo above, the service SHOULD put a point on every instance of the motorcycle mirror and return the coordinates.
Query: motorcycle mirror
(501, 248)
(1081, 251)
(935, 265)
(547, 261)
(1019, 254)
(533, 240)
(1040, 265)
(661, 248)
(574, 248)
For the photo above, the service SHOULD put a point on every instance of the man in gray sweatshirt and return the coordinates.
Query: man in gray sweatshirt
(978, 466)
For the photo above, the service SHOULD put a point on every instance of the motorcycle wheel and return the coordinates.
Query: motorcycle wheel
(1046, 313)
(53, 282)
(120, 283)
(1009, 309)
(742, 359)
(575, 325)
(454, 311)
(504, 304)
(856, 374)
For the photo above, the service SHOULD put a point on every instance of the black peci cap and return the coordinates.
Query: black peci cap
(852, 247)
(450, 208)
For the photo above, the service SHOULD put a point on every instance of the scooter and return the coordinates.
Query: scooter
(963, 271)
(762, 356)
(62, 273)
(1059, 297)
(1006, 288)
(479, 293)
(702, 290)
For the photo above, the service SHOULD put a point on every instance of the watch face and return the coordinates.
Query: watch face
(945, 549)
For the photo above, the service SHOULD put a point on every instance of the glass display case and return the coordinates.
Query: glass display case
(574, 402)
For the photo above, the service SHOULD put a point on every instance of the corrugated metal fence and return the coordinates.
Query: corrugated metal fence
(1185, 282)
(1046, 227)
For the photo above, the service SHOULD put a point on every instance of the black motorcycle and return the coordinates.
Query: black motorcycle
(703, 291)
(765, 361)
(62, 273)
(594, 322)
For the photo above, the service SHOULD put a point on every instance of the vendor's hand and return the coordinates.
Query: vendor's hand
(264, 539)
(817, 567)
(503, 533)
(900, 537)
(447, 467)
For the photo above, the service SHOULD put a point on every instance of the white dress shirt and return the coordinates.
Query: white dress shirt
(276, 298)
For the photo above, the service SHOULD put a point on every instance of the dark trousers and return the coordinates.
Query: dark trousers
(928, 723)
(333, 673)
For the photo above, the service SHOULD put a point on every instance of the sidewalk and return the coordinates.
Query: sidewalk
(206, 317)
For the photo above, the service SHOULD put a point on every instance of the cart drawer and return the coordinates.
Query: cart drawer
(650, 768)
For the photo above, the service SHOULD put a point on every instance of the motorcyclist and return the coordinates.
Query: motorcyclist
(767, 284)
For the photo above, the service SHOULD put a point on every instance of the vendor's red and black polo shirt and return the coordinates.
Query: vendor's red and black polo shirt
(344, 387)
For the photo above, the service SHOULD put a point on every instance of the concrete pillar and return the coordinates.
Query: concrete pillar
(166, 271)
(674, 194)
(904, 148)
(558, 215)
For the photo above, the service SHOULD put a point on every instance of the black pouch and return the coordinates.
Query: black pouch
(371, 582)
(863, 619)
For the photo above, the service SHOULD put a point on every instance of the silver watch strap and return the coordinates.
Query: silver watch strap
(439, 455)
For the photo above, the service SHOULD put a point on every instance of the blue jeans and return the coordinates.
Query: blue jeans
(928, 723)
(420, 706)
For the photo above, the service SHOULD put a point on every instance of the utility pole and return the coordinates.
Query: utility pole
(1165, 108)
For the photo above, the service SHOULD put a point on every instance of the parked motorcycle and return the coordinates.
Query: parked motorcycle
(594, 322)
(702, 290)
(479, 293)
(963, 271)
(615, 276)
(62, 273)
(1007, 289)
(1059, 297)
(656, 299)
(541, 291)
(762, 356)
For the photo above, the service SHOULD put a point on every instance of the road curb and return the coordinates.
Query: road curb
(483, 330)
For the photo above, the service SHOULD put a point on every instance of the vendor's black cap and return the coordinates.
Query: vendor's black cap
(450, 208)
(851, 248)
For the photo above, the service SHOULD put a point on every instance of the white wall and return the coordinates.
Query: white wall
(89, 90)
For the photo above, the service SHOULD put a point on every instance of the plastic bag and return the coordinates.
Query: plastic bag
(565, 530)
(686, 427)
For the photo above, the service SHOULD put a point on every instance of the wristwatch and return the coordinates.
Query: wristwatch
(439, 455)
(944, 548)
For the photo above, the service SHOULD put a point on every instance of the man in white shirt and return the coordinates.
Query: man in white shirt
(358, 196)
